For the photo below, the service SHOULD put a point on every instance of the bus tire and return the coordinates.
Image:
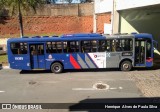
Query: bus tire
(126, 66)
(56, 68)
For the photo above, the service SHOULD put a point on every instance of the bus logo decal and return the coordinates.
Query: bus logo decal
(50, 56)
(95, 56)
(18, 58)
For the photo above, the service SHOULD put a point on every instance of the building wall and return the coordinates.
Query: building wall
(103, 6)
(51, 25)
(54, 20)
(126, 27)
(3, 42)
(83, 9)
(101, 20)
(135, 4)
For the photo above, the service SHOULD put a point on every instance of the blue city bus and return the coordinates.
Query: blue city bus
(81, 51)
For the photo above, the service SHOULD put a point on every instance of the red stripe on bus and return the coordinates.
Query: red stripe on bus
(149, 59)
(74, 63)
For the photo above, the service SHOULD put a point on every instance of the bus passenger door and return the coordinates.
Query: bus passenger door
(37, 58)
(140, 52)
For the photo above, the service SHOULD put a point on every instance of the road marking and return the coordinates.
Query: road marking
(2, 91)
(97, 79)
(77, 89)
(49, 81)
(112, 88)
(88, 89)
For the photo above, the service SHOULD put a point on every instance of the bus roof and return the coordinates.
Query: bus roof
(67, 37)
(143, 35)
(80, 36)
(119, 36)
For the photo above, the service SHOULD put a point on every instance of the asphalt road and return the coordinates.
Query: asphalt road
(70, 87)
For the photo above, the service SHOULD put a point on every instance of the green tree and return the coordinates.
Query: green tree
(18, 5)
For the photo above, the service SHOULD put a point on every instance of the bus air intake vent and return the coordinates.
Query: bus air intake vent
(45, 36)
(25, 37)
(36, 37)
(134, 33)
(55, 36)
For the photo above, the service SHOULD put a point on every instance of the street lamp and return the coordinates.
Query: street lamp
(20, 18)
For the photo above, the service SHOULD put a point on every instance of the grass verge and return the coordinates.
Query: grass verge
(3, 58)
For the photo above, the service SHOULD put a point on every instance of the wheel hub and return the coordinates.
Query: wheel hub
(126, 66)
(56, 68)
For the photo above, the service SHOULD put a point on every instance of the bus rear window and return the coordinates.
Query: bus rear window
(19, 48)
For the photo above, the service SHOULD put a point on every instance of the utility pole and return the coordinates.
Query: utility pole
(112, 16)
(20, 18)
(115, 18)
(94, 17)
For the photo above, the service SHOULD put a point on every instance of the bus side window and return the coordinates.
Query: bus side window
(108, 45)
(74, 46)
(94, 46)
(119, 45)
(65, 47)
(40, 50)
(85, 46)
(48, 47)
(70, 46)
(33, 50)
(59, 47)
(148, 46)
(53, 47)
(126, 44)
(101, 46)
(113, 45)
(89, 46)
(19, 48)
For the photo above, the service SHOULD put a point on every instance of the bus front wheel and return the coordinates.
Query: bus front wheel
(56, 68)
(126, 66)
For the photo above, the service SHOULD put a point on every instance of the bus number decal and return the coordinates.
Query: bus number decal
(18, 58)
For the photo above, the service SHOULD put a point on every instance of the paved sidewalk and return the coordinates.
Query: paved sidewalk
(147, 81)
(4, 67)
